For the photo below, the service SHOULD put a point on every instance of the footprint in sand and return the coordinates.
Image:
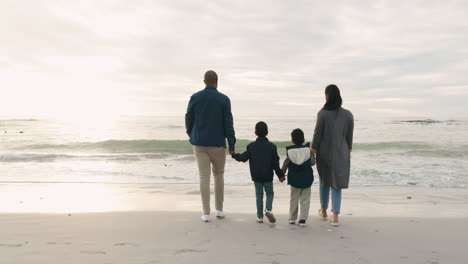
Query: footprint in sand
(203, 242)
(188, 250)
(434, 259)
(126, 244)
(92, 252)
(13, 245)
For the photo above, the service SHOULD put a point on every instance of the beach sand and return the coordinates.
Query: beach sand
(112, 223)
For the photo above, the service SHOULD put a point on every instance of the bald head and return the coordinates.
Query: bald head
(211, 78)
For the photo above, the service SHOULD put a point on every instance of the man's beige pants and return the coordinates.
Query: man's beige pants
(211, 158)
(299, 197)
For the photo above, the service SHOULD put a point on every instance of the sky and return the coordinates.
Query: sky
(84, 59)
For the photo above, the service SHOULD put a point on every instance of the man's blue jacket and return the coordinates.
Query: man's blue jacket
(209, 119)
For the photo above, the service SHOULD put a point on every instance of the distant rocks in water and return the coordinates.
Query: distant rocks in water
(175, 127)
(424, 121)
(21, 132)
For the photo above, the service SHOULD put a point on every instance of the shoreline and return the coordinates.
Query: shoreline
(392, 201)
(2, 183)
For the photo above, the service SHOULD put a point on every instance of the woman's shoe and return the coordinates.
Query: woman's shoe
(292, 222)
(302, 223)
(334, 222)
(323, 215)
(260, 220)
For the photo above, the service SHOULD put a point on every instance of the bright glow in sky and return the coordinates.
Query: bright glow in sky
(109, 58)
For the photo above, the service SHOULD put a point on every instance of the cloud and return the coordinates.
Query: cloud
(293, 104)
(399, 112)
(399, 100)
(457, 90)
(151, 55)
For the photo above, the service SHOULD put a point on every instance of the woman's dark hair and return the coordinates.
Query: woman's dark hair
(261, 129)
(334, 100)
(297, 136)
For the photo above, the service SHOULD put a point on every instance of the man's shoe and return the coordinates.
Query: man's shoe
(205, 218)
(219, 214)
(260, 220)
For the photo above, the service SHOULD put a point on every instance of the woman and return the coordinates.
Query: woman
(333, 141)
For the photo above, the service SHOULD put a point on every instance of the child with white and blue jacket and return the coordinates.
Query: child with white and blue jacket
(299, 163)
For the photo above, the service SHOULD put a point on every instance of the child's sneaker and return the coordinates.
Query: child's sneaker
(302, 223)
(270, 216)
(260, 220)
(292, 222)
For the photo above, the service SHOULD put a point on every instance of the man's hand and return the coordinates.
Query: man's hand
(232, 152)
(282, 179)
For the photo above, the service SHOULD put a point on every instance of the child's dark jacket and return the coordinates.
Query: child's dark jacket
(263, 160)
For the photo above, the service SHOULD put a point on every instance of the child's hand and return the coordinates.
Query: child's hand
(282, 179)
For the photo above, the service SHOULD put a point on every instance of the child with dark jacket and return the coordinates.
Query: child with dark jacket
(263, 160)
(299, 162)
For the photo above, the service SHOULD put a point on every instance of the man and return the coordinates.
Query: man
(209, 122)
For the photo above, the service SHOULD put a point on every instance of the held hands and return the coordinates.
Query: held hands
(282, 179)
(232, 152)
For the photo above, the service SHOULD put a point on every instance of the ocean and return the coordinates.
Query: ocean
(148, 150)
